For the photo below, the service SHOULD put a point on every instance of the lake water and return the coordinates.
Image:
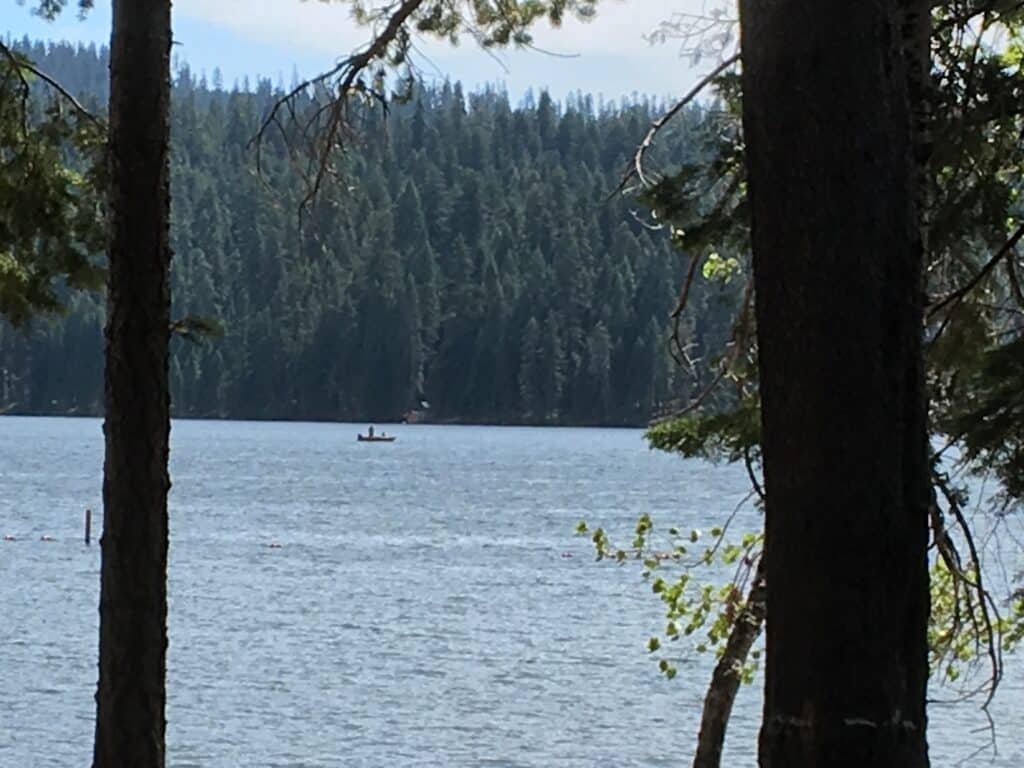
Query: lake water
(429, 604)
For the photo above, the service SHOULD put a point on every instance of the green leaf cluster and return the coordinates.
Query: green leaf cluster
(701, 612)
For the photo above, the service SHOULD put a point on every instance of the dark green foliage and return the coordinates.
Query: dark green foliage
(715, 436)
(50, 9)
(990, 418)
(467, 258)
(973, 212)
(50, 177)
(494, 22)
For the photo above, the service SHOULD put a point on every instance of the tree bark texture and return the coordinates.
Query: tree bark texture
(829, 129)
(726, 679)
(130, 701)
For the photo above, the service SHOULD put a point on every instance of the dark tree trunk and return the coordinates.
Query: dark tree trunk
(837, 264)
(130, 701)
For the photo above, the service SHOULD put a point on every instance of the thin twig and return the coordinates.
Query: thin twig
(1011, 274)
(748, 462)
(697, 401)
(986, 604)
(657, 125)
(684, 295)
(348, 70)
(21, 65)
(964, 18)
(958, 295)
(735, 346)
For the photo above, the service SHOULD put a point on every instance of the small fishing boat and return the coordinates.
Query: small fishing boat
(375, 438)
(371, 437)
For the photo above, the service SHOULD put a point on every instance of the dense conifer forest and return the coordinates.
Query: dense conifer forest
(470, 263)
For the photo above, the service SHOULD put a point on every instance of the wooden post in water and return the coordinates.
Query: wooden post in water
(88, 526)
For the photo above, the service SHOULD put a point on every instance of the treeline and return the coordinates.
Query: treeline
(468, 258)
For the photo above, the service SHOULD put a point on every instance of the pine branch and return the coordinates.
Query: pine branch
(22, 65)
(638, 159)
(958, 295)
(348, 71)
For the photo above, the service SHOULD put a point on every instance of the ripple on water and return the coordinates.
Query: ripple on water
(418, 610)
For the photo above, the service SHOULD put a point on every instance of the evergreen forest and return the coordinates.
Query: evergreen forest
(469, 262)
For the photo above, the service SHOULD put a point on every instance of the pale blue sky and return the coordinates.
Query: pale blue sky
(286, 36)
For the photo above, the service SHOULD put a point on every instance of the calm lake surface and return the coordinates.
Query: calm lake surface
(429, 604)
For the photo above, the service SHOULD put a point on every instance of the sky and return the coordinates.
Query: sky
(608, 56)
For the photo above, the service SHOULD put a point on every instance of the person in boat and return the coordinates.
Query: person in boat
(369, 431)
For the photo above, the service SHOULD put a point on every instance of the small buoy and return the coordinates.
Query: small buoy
(273, 545)
(567, 554)
(44, 537)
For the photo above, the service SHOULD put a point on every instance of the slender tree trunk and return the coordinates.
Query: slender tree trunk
(725, 680)
(130, 700)
(837, 265)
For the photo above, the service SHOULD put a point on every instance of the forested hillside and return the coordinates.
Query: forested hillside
(469, 258)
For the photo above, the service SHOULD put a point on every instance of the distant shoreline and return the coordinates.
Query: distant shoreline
(308, 420)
